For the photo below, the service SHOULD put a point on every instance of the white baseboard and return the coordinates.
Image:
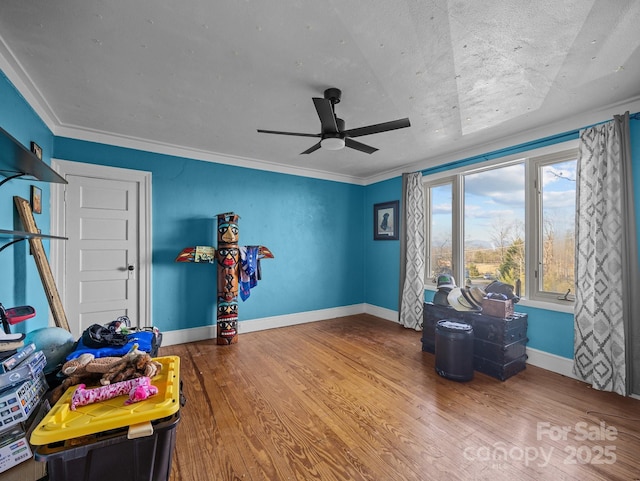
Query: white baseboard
(381, 312)
(557, 364)
(299, 318)
(551, 362)
(545, 360)
(169, 338)
(181, 336)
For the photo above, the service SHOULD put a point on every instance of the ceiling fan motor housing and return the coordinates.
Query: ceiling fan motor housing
(333, 94)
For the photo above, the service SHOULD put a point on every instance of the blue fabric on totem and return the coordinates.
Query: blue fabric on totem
(142, 338)
(249, 267)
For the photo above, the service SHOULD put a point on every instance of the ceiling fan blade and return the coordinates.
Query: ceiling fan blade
(359, 146)
(311, 149)
(288, 133)
(327, 117)
(374, 129)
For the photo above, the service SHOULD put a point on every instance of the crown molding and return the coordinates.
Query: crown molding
(18, 76)
(90, 135)
(27, 88)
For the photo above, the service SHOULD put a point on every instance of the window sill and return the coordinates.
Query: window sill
(566, 307)
(550, 306)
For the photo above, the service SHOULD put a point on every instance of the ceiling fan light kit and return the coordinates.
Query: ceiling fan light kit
(332, 143)
(333, 135)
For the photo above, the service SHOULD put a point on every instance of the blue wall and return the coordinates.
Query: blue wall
(19, 280)
(382, 269)
(549, 331)
(313, 227)
(321, 233)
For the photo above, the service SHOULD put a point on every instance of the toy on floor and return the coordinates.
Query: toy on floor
(138, 389)
(87, 370)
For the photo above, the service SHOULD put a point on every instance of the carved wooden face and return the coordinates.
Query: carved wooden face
(228, 257)
(228, 232)
(227, 329)
(227, 309)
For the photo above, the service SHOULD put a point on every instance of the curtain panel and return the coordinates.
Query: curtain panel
(412, 252)
(606, 306)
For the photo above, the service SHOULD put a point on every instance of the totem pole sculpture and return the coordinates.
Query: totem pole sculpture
(237, 266)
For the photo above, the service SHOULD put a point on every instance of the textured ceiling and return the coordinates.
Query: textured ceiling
(200, 77)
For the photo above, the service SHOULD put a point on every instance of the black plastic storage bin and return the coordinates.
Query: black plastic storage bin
(112, 456)
(454, 350)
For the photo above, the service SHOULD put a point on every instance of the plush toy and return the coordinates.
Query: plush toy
(133, 364)
(141, 392)
(85, 369)
(138, 389)
(87, 364)
(88, 370)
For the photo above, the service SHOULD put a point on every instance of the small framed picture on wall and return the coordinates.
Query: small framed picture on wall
(36, 199)
(37, 150)
(385, 220)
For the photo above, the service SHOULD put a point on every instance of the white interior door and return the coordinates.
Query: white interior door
(102, 250)
(104, 260)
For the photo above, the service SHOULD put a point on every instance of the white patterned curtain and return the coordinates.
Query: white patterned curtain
(606, 257)
(412, 281)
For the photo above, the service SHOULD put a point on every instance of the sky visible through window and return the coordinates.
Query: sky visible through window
(499, 194)
(493, 199)
(559, 193)
(494, 213)
(558, 227)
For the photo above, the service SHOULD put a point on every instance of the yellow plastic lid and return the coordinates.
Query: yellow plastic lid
(61, 423)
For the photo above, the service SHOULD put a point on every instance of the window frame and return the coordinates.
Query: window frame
(533, 160)
(535, 255)
(428, 198)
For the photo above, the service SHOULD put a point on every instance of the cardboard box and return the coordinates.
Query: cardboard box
(30, 470)
(497, 308)
(28, 369)
(14, 449)
(18, 402)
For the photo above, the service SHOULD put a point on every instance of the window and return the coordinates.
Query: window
(511, 221)
(555, 194)
(441, 221)
(494, 206)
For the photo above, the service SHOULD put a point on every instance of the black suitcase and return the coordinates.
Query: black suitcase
(499, 370)
(499, 353)
(501, 331)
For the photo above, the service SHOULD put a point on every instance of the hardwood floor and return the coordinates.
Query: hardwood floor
(355, 399)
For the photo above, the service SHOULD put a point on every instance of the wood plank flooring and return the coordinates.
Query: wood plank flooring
(355, 398)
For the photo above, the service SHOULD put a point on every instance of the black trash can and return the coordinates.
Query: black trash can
(454, 350)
